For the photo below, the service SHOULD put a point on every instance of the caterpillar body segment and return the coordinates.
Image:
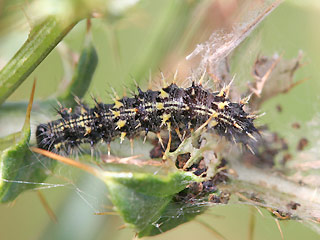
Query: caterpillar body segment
(171, 108)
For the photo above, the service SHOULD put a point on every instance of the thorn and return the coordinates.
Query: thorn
(124, 91)
(93, 98)
(67, 161)
(253, 116)
(132, 92)
(175, 76)
(279, 227)
(46, 206)
(260, 115)
(246, 99)
(116, 96)
(28, 113)
(29, 20)
(91, 150)
(295, 84)
(138, 125)
(160, 140)
(214, 78)
(260, 83)
(135, 82)
(234, 139)
(135, 237)
(163, 79)
(202, 77)
(169, 143)
(12, 204)
(107, 213)
(60, 105)
(259, 211)
(252, 137)
(150, 80)
(224, 92)
(123, 226)
(216, 234)
(140, 92)
(215, 114)
(250, 149)
(179, 134)
(229, 86)
(109, 149)
(252, 223)
(83, 110)
(184, 134)
(77, 100)
(131, 145)
(236, 125)
(88, 25)
(97, 102)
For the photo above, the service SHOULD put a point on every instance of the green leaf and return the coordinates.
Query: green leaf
(142, 198)
(19, 169)
(82, 77)
(18, 163)
(153, 185)
(174, 214)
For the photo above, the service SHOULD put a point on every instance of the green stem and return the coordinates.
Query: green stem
(42, 39)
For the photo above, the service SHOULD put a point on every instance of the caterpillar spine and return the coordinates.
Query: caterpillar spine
(150, 111)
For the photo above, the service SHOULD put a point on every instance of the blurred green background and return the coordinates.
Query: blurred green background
(155, 35)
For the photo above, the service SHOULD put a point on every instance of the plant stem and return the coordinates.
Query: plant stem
(273, 191)
(41, 41)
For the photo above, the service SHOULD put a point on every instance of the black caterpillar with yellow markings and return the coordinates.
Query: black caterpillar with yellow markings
(171, 108)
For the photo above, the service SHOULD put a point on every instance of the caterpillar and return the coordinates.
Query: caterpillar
(171, 108)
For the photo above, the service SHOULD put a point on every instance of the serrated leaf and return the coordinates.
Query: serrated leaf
(172, 215)
(143, 198)
(19, 169)
(153, 185)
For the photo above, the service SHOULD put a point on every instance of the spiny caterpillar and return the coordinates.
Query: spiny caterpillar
(173, 108)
